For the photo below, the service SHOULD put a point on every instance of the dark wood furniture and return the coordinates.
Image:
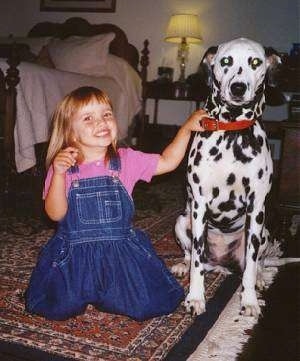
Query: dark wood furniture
(159, 90)
(289, 175)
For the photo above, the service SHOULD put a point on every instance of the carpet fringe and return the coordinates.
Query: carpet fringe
(231, 331)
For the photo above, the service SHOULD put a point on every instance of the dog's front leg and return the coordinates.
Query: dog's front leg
(195, 300)
(254, 231)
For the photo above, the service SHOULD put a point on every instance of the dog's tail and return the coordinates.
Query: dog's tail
(276, 262)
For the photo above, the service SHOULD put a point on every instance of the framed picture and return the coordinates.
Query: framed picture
(79, 5)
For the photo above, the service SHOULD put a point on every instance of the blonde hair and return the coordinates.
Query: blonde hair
(61, 134)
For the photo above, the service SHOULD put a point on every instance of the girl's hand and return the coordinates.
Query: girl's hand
(193, 122)
(65, 159)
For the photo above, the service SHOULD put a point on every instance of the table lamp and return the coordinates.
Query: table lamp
(183, 29)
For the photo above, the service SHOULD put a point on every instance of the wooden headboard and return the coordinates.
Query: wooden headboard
(81, 27)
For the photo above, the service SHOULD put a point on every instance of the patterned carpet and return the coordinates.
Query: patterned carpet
(94, 335)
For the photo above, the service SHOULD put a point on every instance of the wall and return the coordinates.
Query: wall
(271, 22)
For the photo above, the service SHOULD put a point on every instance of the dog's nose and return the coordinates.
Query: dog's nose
(238, 89)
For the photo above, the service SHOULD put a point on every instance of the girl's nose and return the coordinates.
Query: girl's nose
(99, 121)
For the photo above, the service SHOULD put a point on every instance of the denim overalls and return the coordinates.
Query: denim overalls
(96, 257)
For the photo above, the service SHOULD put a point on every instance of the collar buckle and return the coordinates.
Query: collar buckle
(210, 124)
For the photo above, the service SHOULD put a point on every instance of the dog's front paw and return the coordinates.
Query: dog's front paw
(250, 306)
(181, 269)
(194, 306)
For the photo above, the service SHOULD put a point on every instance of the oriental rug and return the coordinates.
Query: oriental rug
(94, 335)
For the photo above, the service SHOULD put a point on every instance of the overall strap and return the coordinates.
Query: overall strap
(74, 173)
(73, 170)
(115, 164)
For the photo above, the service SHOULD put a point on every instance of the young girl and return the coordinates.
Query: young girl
(96, 256)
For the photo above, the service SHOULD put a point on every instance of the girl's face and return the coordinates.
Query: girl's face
(94, 126)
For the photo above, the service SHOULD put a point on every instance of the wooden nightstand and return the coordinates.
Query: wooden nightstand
(153, 136)
(168, 91)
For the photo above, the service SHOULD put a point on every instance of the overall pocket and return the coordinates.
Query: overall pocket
(99, 207)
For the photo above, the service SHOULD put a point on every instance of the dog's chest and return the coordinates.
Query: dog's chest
(226, 167)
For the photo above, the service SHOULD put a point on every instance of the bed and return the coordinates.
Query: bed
(37, 71)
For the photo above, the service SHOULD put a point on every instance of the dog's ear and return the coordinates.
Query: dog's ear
(273, 94)
(206, 63)
(273, 65)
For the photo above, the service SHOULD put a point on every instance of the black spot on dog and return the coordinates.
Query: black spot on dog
(219, 140)
(226, 115)
(245, 181)
(239, 155)
(199, 145)
(189, 168)
(196, 179)
(193, 153)
(196, 264)
(251, 202)
(255, 243)
(213, 151)
(189, 233)
(228, 205)
(260, 217)
(230, 179)
(271, 178)
(197, 158)
(195, 215)
(202, 272)
(249, 115)
(200, 191)
(218, 157)
(260, 173)
(215, 192)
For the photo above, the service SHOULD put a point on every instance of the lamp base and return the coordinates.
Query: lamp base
(180, 89)
(182, 55)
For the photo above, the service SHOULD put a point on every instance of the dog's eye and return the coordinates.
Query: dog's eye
(255, 62)
(226, 61)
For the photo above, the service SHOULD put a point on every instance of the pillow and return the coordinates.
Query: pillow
(35, 44)
(85, 55)
(44, 58)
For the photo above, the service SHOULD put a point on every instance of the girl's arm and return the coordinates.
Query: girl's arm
(56, 204)
(175, 151)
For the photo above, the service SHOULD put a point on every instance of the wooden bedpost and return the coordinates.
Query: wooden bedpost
(11, 79)
(144, 61)
(144, 72)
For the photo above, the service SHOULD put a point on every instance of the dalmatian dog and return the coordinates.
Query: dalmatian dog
(229, 175)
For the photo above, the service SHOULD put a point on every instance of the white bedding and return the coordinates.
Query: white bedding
(41, 88)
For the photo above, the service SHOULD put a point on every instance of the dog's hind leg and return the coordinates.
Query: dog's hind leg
(183, 237)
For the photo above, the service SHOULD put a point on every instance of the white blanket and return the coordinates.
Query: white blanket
(40, 89)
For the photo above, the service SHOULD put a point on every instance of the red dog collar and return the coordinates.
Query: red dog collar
(211, 124)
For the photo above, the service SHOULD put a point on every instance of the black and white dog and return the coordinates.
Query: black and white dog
(229, 176)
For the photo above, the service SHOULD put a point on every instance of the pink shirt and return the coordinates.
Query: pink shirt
(135, 166)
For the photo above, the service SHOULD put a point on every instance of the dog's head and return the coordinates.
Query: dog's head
(237, 70)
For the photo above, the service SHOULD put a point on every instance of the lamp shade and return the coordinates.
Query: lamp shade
(183, 26)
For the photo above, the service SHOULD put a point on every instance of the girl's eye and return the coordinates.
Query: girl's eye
(88, 118)
(227, 61)
(108, 114)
